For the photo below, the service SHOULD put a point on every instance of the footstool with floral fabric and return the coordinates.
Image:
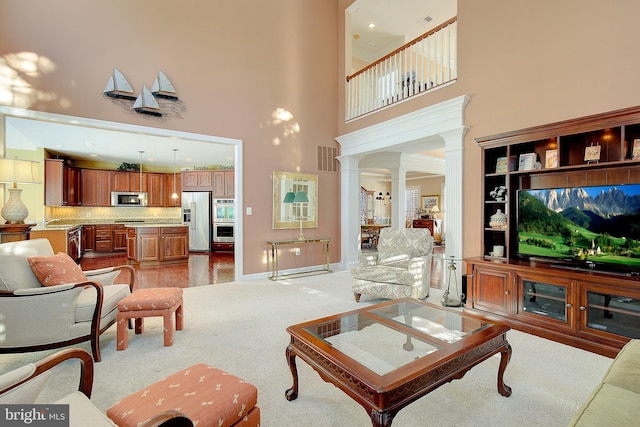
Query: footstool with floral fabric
(149, 302)
(206, 395)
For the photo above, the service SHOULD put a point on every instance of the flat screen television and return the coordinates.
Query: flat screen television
(595, 228)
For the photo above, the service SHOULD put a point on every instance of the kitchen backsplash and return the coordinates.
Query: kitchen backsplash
(110, 214)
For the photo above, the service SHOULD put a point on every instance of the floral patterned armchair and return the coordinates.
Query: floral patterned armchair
(400, 268)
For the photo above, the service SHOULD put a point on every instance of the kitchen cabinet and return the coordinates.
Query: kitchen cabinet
(590, 310)
(155, 189)
(96, 187)
(127, 181)
(103, 238)
(161, 244)
(63, 239)
(62, 183)
(197, 181)
(119, 237)
(88, 238)
(168, 190)
(223, 185)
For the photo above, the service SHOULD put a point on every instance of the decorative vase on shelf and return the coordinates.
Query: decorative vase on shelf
(498, 220)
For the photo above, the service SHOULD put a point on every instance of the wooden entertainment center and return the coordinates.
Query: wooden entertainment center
(592, 310)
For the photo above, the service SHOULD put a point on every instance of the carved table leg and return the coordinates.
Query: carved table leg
(381, 419)
(505, 356)
(292, 393)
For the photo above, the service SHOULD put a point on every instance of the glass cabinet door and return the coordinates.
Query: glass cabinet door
(544, 299)
(611, 313)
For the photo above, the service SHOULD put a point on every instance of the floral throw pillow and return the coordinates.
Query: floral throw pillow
(57, 269)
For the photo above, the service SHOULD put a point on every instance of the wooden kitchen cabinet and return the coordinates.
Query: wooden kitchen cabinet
(127, 181)
(132, 246)
(197, 181)
(96, 187)
(223, 185)
(89, 238)
(103, 238)
(119, 237)
(62, 183)
(154, 245)
(168, 190)
(174, 243)
(155, 189)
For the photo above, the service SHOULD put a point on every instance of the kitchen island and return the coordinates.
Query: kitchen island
(154, 244)
(63, 238)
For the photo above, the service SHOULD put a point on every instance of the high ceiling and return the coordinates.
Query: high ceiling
(110, 142)
(396, 23)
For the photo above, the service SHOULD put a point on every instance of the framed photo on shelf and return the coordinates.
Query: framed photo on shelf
(592, 153)
(502, 165)
(551, 160)
(527, 161)
(635, 155)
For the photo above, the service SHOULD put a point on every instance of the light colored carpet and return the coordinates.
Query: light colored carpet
(241, 328)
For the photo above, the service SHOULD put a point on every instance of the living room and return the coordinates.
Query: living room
(521, 64)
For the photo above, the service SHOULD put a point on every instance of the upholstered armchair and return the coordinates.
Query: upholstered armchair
(400, 268)
(24, 385)
(36, 317)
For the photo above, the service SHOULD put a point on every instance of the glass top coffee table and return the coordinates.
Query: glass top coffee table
(386, 356)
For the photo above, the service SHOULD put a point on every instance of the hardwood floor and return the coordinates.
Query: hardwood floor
(208, 268)
(202, 269)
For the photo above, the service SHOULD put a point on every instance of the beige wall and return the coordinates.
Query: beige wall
(527, 63)
(233, 63)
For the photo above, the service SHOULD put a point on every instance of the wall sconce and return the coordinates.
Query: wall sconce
(17, 171)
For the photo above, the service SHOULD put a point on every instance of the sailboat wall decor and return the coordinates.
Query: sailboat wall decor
(146, 103)
(162, 87)
(119, 87)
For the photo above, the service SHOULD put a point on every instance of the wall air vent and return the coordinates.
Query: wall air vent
(326, 157)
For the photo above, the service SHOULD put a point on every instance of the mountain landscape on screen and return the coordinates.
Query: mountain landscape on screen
(599, 226)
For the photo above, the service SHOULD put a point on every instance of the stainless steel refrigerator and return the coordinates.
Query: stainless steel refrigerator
(196, 213)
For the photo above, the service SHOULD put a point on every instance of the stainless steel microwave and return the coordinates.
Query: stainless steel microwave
(129, 198)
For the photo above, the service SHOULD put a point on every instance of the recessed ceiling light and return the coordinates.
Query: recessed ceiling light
(371, 43)
(59, 145)
(372, 25)
(93, 155)
(89, 144)
(428, 19)
(356, 36)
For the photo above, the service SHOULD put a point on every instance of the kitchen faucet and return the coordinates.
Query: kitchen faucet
(46, 221)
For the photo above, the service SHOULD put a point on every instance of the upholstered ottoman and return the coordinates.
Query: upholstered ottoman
(206, 395)
(149, 303)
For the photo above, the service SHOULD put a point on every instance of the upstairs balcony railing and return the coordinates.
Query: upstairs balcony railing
(422, 64)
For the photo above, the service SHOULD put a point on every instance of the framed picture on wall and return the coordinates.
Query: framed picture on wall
(430, 201)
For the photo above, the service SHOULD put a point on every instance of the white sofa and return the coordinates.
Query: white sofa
(35, 317)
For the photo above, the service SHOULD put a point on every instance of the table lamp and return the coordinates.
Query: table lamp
(17, 171)
(301, 197)
(434, 211)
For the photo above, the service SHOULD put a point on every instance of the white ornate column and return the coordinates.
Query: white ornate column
(349, 212)
(453, 200)
(398, 188)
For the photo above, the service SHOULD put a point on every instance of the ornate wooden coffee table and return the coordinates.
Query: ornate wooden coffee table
(388, 355)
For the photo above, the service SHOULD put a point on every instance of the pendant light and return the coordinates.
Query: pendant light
(174, 195)
(141, 194)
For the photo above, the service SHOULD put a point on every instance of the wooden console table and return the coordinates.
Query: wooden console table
(275, 272)
(15, 232)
